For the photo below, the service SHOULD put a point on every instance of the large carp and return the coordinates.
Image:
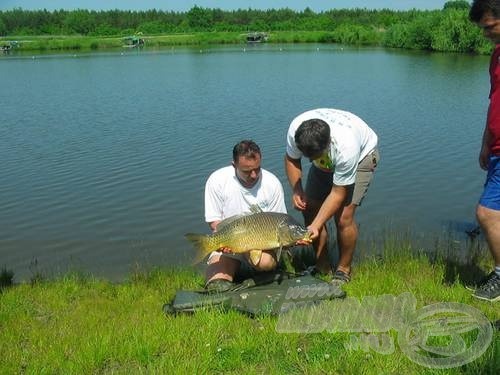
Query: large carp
(251, 233)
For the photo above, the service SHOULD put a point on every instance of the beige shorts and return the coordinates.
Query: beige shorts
(319, 183)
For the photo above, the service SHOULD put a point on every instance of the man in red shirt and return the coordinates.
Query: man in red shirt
(486, 14)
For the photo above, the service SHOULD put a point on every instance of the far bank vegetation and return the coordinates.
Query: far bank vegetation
(446, 30)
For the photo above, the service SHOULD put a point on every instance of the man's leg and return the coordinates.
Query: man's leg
(267, 262)
(347, 236)
(490, 224)
(489, 219)
(488, 216)
(318, 186)
(320, 243)
(347, 229)
(221, 267)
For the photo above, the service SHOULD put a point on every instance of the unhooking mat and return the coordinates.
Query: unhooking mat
(269, 293)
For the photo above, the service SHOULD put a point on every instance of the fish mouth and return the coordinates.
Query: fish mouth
(307, 237)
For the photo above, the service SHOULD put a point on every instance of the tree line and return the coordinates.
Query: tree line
(448, 29)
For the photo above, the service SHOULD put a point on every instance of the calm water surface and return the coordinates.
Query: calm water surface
(104, 156)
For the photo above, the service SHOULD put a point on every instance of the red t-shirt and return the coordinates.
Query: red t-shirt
(493, 120)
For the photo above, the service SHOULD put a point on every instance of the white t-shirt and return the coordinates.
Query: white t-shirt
(351, 140)
(226, 197)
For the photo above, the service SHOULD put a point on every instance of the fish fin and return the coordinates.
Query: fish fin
(278, 230)
(201, 242)
(255, 256)
(255, 209)
(227, 221)
(278, 253)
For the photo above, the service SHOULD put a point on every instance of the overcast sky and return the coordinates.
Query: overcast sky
(183, 5)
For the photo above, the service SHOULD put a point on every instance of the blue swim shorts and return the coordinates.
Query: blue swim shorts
(491, 193)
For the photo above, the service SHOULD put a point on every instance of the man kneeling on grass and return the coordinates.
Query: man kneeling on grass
(233, 190)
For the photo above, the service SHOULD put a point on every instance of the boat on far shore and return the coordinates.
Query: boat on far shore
(133, 41)
(256, 37)
(7, 46)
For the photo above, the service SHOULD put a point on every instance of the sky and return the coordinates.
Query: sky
(184, 5)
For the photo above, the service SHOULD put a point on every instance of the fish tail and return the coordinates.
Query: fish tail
(202, 244)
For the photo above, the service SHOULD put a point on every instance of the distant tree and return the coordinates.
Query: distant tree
(456, 4)
(3, 28)
(308, 12)
(199, 18)
(420, 33)
(104, 29)
(152, 27)
(455, 32)
(80, 22)
(397, 36)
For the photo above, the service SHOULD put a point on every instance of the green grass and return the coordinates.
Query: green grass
(78, 324)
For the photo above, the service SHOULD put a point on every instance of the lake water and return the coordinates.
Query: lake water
(104, 156)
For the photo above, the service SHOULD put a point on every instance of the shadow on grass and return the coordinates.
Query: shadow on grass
(6, 278)
(460, 249)
(467, 274)
(467, 265)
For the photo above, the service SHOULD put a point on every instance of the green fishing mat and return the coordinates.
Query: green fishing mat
(265, 293)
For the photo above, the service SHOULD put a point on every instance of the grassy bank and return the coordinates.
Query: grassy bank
(76, 43)
(375, 37)
(78, 324)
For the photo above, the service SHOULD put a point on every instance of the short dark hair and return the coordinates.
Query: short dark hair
(480, 7)
(312, 137)
(246, 148)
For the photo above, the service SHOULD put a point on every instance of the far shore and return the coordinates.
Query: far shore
(88, 43)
